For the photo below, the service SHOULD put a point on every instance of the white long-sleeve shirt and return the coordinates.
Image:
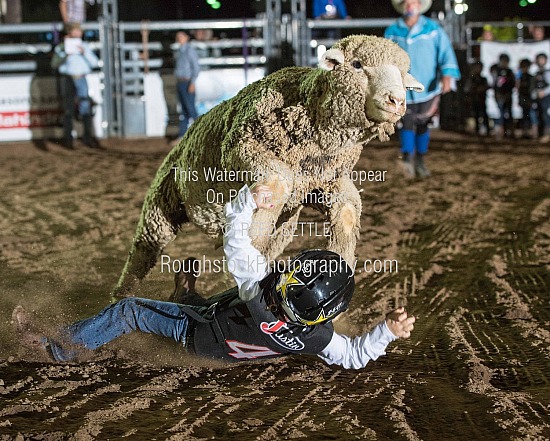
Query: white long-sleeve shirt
(248, 266)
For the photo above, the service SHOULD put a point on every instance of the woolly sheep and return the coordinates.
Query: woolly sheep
(301, 131)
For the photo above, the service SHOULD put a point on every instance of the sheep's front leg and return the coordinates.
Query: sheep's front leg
(282, 233)
(344, 216)
(158, 225)
(265, 231)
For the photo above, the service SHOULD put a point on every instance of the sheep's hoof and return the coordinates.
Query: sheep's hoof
(119, 294)
(185, 280)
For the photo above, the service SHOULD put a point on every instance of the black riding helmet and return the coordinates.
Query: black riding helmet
(316, 287)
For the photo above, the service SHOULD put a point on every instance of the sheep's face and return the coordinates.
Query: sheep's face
(380, 83)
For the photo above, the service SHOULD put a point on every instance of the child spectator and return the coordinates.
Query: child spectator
(504, 82)
(74, 59)
(525, 86)
(476, 88)
(541, 96)
(537, 33)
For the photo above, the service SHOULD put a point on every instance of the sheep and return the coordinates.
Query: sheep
(301, 131)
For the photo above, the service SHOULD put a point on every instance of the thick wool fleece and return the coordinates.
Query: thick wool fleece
(299, 129)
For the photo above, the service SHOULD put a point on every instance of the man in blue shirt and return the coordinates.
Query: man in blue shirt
(329, 9)
(186, 72)
(433, 63)
(74, 59)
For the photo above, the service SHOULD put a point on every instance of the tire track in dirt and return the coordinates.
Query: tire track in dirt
(455, 239)
(513, 410)
(396, 412)
(464, 328)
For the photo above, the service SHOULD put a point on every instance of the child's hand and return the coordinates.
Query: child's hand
(263, 196)
(399, 323)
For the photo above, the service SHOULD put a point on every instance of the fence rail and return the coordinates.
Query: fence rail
(131, 49)
(476, 27)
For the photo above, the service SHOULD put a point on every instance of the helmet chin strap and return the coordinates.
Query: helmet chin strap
(274, 309)
(268, 296)
(280, 314)
(277, 310)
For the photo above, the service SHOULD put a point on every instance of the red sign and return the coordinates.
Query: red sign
(31, 118)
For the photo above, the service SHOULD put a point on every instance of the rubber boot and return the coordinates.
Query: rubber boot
(419, 167)
(546, 135)
(68, 131)
(88, 137)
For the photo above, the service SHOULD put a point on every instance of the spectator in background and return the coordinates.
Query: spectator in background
(74, 59)
(330, 10)
(476, 87)
(487, 34)
(541, 96)
(504, 82)
(186, 71)
(537, 32)
(433, 63)
(74, 11)
(201, 39)
(525, 86)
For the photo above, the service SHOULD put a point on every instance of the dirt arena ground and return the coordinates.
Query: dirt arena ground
(473, 250)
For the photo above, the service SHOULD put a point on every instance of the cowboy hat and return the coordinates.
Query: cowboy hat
(398, 5)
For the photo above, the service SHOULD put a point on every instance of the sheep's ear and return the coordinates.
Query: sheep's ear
(411, 83)
(331, 59)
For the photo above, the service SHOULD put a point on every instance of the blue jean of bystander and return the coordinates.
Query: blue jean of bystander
(187, 103)
(75, 90)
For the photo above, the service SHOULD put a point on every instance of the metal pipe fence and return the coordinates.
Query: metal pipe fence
(125, 56)
(322, 34)
(130, 50)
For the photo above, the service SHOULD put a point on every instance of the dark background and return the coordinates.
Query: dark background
(129, 10)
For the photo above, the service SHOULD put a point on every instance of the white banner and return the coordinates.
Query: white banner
(489, 53)
(213, 86)
(30, 107)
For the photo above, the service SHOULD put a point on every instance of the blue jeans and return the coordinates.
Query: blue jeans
(131, 314)
(187, 103)
(528, 115)
(75, 89)
(505, 108)
(542, 105)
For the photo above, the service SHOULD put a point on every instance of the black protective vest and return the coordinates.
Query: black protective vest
(234, 330)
